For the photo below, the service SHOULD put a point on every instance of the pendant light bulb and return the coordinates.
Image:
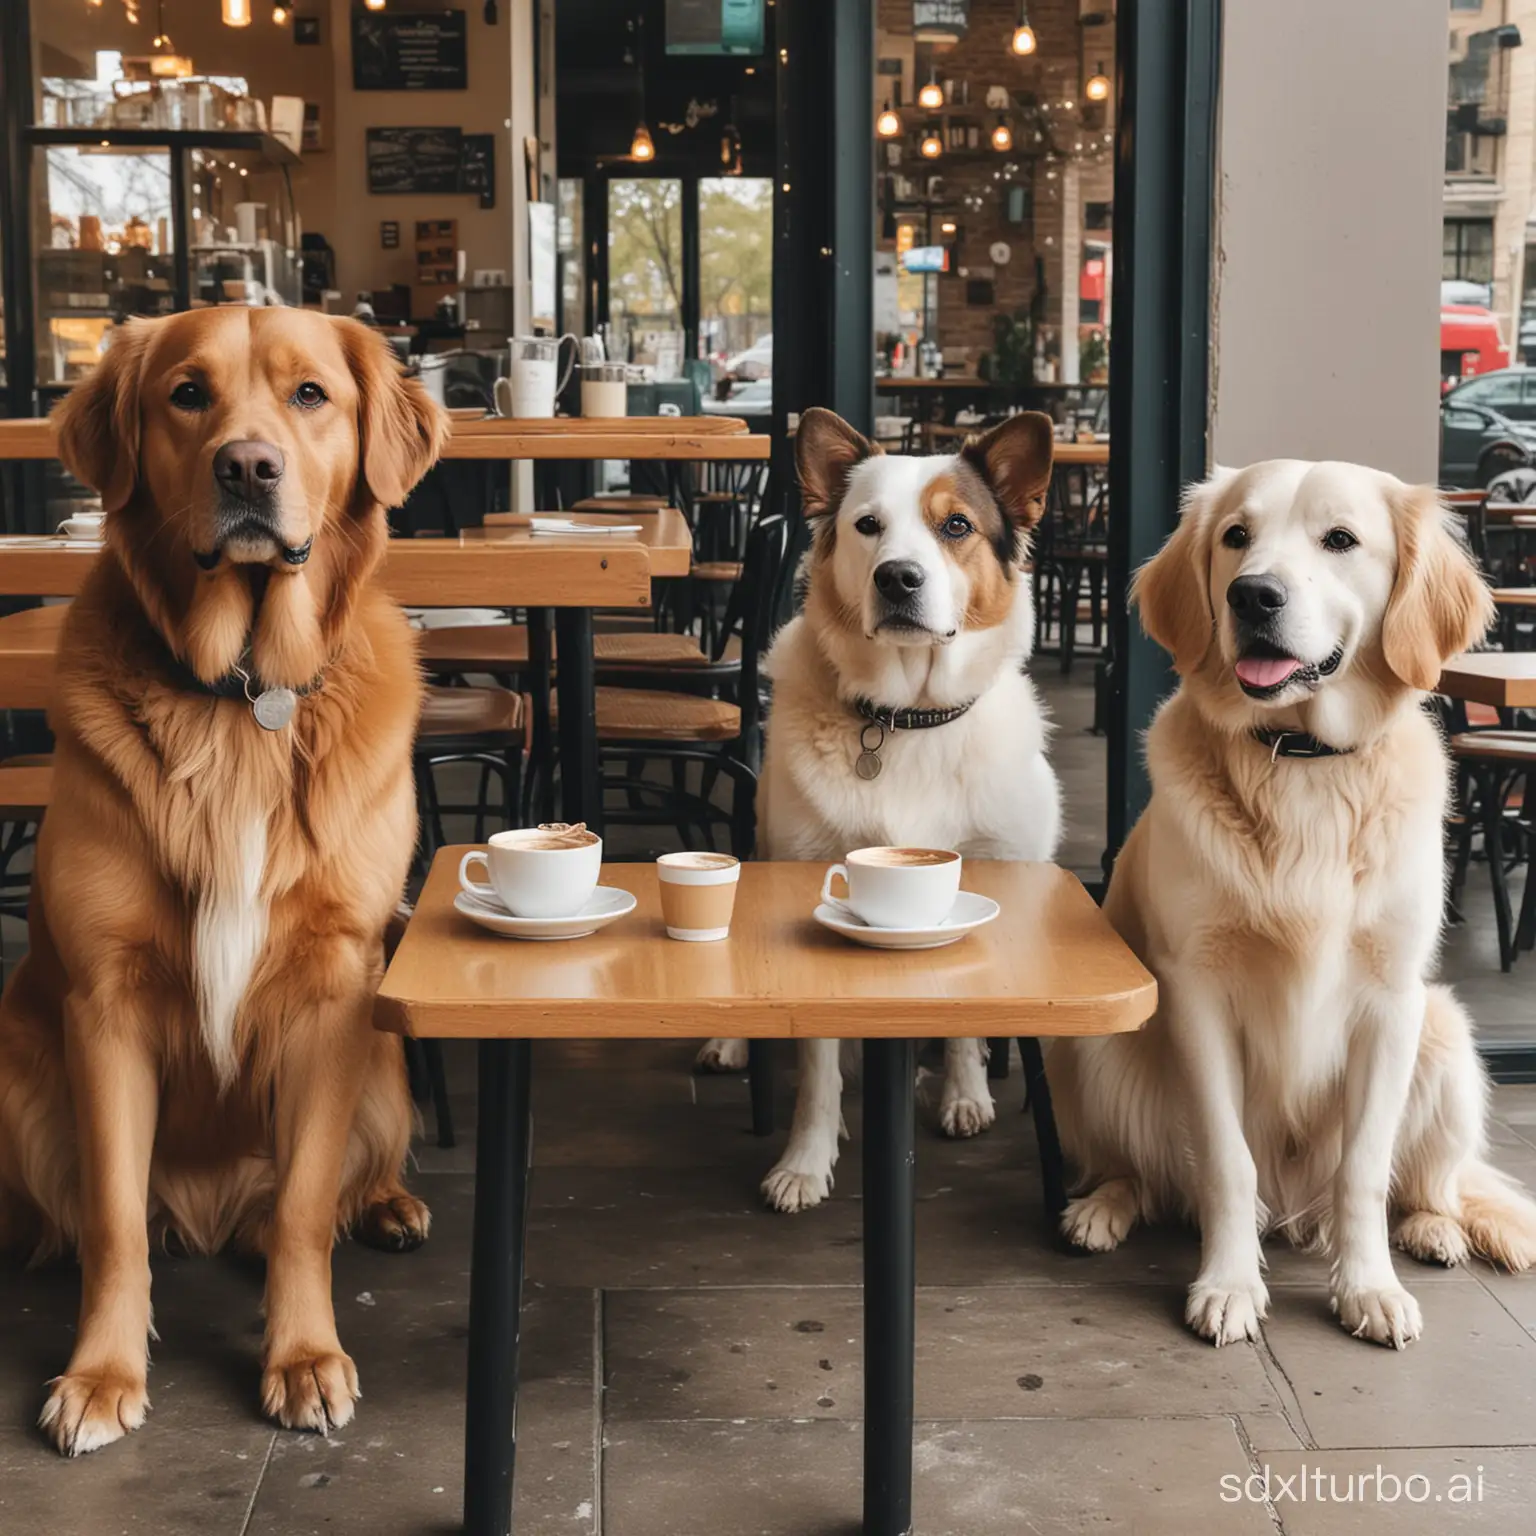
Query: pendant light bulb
(1002, 137)
(932, 146)
(887, 125)
(374, 5)
(931, 95)
(1023, 42)
(280, 15)
(237, 13)
(1097, 85)
(641, 147)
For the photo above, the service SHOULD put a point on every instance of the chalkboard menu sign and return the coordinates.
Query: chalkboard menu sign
(409, 51)
(414, 159)
(417, 160)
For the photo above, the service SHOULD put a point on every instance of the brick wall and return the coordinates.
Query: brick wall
(1053, 76)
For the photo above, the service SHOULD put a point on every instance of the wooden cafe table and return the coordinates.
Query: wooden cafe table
(1504, 679)
(1049, 965)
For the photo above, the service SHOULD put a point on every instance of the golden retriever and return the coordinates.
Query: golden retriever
(1285, 885)
(187, 1051)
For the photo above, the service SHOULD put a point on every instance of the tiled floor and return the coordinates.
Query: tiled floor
(691, 1362)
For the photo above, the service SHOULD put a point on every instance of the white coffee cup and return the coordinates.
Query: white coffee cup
(896, 887)
(83, 525)
(698, 894)
(532, 875)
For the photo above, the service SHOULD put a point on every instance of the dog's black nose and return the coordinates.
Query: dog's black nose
(898, 579)
(1256, 598)
(249, 469)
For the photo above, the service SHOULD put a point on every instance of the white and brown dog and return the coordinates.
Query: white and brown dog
(1285, 884)
(917, 607)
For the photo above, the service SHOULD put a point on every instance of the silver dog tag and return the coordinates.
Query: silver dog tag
(274, 708)
(868, 765)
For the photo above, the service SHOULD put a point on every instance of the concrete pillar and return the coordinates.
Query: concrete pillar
(1071, 269)
(1325, 297)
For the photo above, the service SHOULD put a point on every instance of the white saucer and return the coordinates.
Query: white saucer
(970, 912)
(606, 906)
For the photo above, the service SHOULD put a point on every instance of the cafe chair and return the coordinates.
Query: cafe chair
(1070, 549)
(1490, 765)
(26, 783)
(487, 727)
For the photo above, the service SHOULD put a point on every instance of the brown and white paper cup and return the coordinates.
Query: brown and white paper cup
(698, 894)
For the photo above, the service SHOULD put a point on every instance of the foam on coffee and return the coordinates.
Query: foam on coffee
(700, 861)
(553, 836)
(904, 858)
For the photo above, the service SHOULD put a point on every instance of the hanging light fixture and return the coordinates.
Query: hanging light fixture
(887, 125)
(932, 146)
(931, 95)
(1096, 87)
(641, 147)
(280, 15)
(374, 5)
(1002, 136)
(161, 41)
(1023, 34)
(237, 13)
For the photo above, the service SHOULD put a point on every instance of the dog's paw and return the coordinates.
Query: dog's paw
(1226, 1313)
(721, 1056)
(396, 1222)
(1432, 1238)
(89, 1409)
(796, 1189)
(1098, 1222)
(1385, 1314)
(961, 1115)
(310, 1389)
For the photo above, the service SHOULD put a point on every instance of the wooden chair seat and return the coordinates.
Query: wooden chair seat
(649, 649)
(25, 789)
(649, 714)
(1501, 746)
(716, 570)
(475, 648)
(620, 504)
(471, 712)
(716, 498)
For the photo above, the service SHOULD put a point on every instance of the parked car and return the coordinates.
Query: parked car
(1470, 343)
(751, 399)
(755, 363)
(1477, 444)
(1509, 392)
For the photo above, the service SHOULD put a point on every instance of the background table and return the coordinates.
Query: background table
(1504, 679)
(1049, 965)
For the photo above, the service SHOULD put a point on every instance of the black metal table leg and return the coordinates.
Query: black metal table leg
(502, 1140)
(581, 796)
(1053, 1172)
(890, 1279)
(760, 1080)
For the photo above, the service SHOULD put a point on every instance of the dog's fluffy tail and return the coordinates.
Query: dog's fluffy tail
(1498, 1216)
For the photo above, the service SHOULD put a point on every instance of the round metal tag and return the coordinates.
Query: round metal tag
(274, 708)
(868, 765)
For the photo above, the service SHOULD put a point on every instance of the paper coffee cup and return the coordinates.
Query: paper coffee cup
(698, 894)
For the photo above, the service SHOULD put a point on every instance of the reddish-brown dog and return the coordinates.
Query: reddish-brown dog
(187, 1049)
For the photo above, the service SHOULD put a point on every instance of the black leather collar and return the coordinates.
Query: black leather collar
(242, 681)
(1295, 744)
(910, 719)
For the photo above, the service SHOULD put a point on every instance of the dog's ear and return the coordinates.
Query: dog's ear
(1173, 589)
(98, 420)
(401, 429)
(1014, 458)
(827, 449)
(1440, 604)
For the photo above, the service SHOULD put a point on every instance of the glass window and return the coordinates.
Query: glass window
(572, 251)
(1467, 250)
(645, 271)
(736, 275)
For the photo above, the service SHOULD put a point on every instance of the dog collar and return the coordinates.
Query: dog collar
(1295, 744)
(272, 704)
(883, 720)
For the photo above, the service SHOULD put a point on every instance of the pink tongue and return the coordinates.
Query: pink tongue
(1265, 672)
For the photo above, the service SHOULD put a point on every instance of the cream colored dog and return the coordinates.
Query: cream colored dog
(1301, 1073)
